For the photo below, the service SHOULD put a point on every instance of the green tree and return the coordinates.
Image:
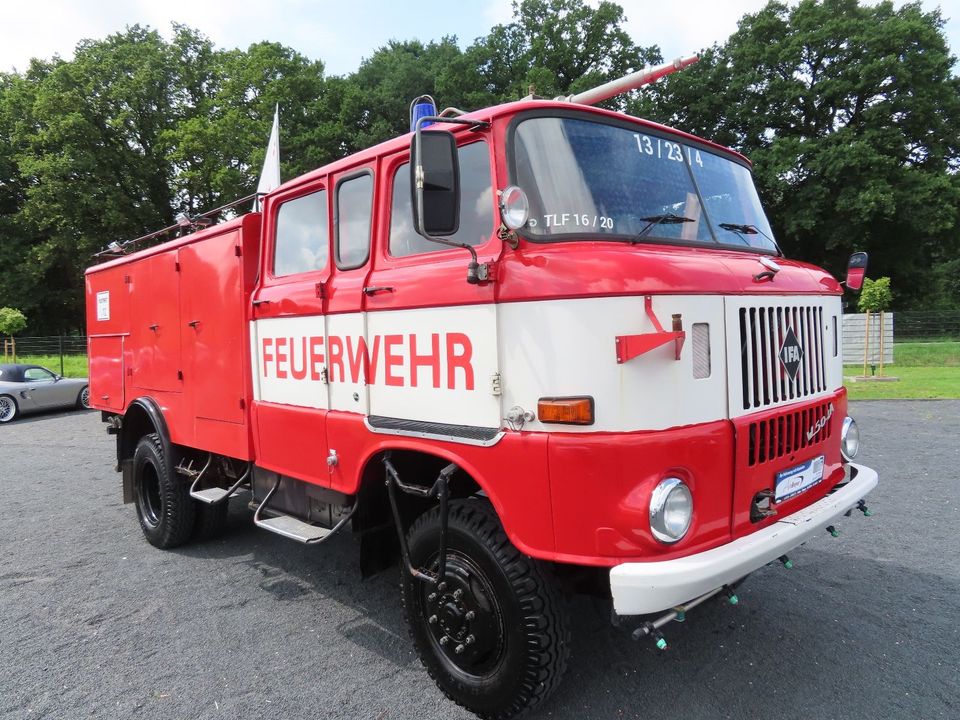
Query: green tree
(12, 321)
(560, 47)
(876, 295)
(851, 115)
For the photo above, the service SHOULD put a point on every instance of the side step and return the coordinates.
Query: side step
(215, 495)
(294, 528)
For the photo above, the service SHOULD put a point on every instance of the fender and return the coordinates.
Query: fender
(517, 526)
(142, 417)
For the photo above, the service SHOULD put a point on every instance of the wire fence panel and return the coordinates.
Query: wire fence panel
(48, 345)
(927, 325)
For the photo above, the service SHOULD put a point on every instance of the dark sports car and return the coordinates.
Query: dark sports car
(31, 388)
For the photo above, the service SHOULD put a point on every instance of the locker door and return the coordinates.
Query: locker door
(155, 323)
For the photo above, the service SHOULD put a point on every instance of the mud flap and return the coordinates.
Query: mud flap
(126, 467)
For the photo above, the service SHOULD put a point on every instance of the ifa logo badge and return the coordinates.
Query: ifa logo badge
(791, 354)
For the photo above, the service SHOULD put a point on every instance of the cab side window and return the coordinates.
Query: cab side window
(303, 238)
(476, 205)
(354, 205)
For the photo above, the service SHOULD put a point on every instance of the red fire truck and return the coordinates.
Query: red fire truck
(625, 388)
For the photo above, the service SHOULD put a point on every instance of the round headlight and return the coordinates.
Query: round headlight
(849, 439)
(514, 207)
(671, 510)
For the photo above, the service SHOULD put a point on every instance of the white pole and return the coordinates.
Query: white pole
(631, 81)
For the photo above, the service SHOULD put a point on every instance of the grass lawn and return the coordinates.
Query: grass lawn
(926, 370)
(73, 365)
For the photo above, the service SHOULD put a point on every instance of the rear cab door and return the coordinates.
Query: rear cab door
(287, 334)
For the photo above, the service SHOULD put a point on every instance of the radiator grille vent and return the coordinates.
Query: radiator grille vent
(788, 433)
(701, 350)
(762, 332)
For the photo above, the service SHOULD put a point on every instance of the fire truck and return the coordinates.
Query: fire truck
(526, 351)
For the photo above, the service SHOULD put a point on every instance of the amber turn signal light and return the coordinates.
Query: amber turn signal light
(566, 410)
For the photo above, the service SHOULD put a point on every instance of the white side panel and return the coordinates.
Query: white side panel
(346, 362)
(567, 348)
(449, 380)
(289, 360)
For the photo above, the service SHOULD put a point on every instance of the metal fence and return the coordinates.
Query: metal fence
(53, 349)
(924, 325)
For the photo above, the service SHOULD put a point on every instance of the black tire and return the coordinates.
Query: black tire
(210, 520)
(83, 398)
(508, 620)
(164, 506)
(8, 408)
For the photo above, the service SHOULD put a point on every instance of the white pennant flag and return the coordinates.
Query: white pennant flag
(270, 175)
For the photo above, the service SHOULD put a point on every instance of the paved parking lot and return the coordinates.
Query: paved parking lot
(94, 622)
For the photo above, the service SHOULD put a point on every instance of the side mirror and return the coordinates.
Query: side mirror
(856, 269)
(435, 183)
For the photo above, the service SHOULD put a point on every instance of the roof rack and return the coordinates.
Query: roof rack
(185, 224)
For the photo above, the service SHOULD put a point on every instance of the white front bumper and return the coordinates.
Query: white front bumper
(648, 587)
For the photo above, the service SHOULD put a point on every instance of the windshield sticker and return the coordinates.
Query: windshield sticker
(666, 150)
(584, 220)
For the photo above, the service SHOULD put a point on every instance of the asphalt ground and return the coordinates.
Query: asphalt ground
(94, 622)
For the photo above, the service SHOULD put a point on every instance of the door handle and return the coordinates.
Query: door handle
(154, 327)
(261, 302)
(193, 323)
(374, 289)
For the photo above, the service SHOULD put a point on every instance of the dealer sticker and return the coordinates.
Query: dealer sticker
(795, 480)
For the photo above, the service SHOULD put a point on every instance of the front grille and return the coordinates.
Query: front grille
(788, 433)
(762, 332)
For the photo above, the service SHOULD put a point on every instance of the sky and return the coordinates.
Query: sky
(342, 33)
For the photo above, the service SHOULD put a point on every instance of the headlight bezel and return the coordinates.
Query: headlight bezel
(849, 433)
(661, 526)
(514, 207)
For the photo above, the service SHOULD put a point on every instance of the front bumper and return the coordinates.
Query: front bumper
(649, 587)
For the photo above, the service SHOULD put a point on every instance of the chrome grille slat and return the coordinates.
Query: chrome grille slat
(763, 328)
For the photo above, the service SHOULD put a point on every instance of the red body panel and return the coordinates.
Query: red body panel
(183, 341)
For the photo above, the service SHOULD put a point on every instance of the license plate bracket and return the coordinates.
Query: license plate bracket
(794, 480)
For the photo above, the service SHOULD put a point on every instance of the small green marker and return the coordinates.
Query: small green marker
(788, 564)
(661, 643)
(834, 532)
(734, 599)
(867, 513)
(681, 616)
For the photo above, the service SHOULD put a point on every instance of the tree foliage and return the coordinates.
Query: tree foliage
(849, 111)
(851, 115)
(12, 321)
(876, 295)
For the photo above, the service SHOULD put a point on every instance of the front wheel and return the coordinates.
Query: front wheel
(492, 633)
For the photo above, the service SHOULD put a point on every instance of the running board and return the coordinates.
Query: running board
(294, 528)
(216, 495)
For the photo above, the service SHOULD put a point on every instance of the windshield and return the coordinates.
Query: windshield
(591, 179)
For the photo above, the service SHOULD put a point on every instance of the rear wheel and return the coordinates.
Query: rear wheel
(492, 633)
(164, 506)
(8, 408)
(83, 399)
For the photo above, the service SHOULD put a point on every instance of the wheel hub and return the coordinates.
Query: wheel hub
(464, 618)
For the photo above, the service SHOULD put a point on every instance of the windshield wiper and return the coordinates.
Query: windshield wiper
(742, 229)
(665, 219)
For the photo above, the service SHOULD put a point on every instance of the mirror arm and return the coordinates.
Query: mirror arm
(474, 274)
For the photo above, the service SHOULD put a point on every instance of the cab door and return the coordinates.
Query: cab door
(287, 336)
(437, 333)
(347, 351)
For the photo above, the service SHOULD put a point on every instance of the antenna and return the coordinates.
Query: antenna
(629, 82)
